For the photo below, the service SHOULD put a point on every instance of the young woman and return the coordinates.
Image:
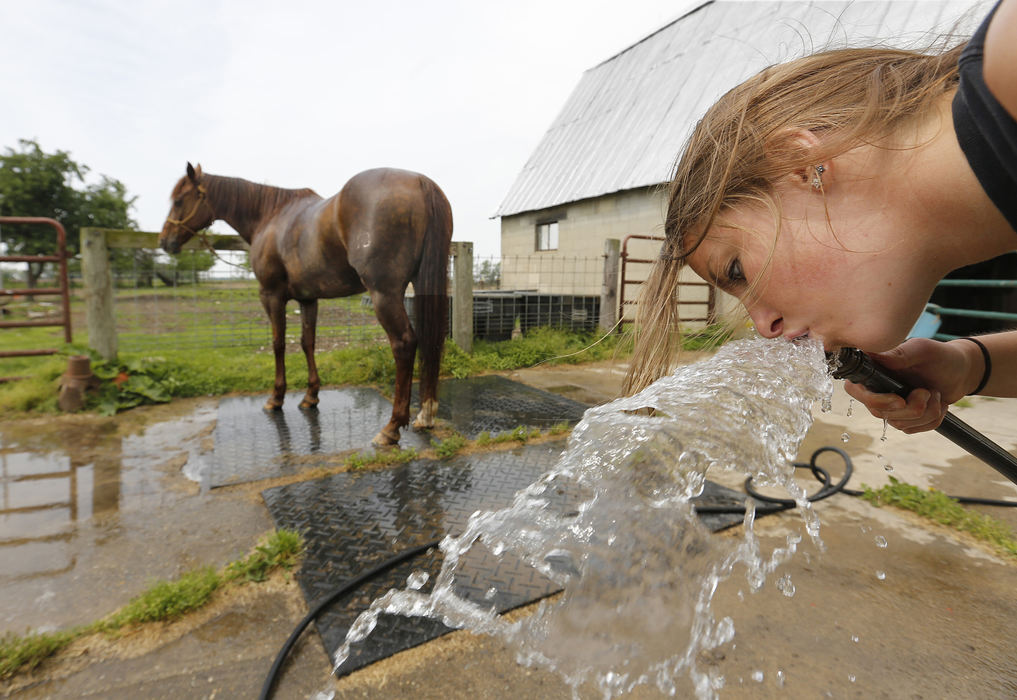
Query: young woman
(830, 194)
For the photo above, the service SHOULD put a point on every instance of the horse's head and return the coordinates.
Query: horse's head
(190, 211)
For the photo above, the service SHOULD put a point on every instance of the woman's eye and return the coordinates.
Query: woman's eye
(734, 271)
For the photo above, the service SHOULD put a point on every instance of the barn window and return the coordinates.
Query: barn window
(547, 235)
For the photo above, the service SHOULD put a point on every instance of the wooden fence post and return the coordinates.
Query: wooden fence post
(462, 295)
(609, 289)
(98, 279)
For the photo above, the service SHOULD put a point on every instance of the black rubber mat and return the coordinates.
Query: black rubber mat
(252, 444)
(356, 520)
(495, 404)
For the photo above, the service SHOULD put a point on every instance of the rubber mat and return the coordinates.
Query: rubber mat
(356, 520)
(495, 404)
(252, 444)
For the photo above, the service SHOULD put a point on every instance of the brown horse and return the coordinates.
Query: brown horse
(384, 229)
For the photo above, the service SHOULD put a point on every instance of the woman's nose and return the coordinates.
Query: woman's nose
(769, 324)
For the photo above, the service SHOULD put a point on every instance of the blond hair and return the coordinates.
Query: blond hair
(743, 145)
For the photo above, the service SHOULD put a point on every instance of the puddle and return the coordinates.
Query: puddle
(85, 499)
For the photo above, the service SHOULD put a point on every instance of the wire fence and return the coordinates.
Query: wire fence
(181, 308)
(513, 295)
(220, 308)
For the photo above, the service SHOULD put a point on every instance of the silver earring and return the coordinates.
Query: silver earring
(817, 179)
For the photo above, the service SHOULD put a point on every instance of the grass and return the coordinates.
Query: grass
(210, 317)
(450, 446)
(169, 373)
(940, 508)
(362, 460)
(162, 601)
(520, 434)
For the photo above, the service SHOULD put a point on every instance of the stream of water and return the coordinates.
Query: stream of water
(637, 568)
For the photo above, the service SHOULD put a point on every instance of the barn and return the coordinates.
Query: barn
(601, 169)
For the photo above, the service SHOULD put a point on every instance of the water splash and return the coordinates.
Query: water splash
(637, 567)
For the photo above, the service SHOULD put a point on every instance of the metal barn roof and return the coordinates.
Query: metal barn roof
(627, 119)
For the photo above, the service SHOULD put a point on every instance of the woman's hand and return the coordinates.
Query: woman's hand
(942, 372)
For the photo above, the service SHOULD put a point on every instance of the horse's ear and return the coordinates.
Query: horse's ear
(190, 172)
(197, 172)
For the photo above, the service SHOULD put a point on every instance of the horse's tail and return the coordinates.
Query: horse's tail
(430, 302)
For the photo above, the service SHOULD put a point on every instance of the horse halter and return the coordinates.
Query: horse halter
(182, 223)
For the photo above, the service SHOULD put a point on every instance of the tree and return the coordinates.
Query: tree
(36, 183)
(489, 274)
(185, 266)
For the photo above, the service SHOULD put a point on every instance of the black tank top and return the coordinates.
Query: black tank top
(985, 130)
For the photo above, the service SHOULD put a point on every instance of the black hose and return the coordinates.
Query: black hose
(266, 688)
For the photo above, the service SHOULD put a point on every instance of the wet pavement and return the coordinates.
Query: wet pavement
(93, 509)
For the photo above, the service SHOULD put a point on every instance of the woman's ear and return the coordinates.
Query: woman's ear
(818, 174)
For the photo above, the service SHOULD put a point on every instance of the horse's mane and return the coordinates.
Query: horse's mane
(234, 196)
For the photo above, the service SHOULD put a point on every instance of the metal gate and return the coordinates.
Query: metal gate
(63, 290)
(629, 300)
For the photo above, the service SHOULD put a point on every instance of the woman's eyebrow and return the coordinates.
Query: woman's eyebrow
(715, 271)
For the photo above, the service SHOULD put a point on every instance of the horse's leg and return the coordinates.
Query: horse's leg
(275, 307)
(403, 341)
(308, 321)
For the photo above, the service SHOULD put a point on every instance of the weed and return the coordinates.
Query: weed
(450, 446)
(280, 550)
(360, 460)
(17, 653)
(166, 600)
(938, 507)
(520, 434)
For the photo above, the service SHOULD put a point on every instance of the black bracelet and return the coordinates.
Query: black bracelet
(988, 365)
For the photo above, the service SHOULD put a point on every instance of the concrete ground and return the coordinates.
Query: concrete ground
(930, 615)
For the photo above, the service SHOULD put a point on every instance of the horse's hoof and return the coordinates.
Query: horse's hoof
(272, 406)
(306, 405)
(383, 439)
(428, 412)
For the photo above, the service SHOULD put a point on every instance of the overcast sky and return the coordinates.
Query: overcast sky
(306, 94)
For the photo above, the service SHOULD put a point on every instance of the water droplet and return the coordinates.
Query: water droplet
(757, 676)
(786, 586)
(851, 403)
(780, 679)
(880, 541)
(844, 437)
(416, 580)
(888, 467)
(851, 677)
(854, 638)
(490, 593)
(881, 575)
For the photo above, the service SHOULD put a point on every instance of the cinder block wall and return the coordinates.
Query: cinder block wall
(582, 228)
